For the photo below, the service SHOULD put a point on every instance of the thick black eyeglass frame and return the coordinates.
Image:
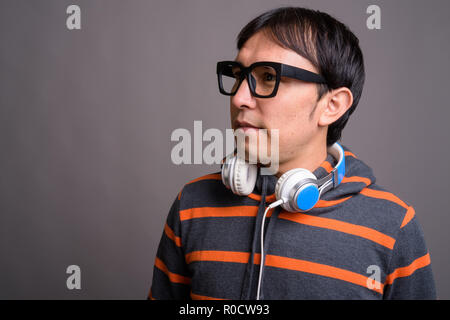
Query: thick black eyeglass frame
(281, 69)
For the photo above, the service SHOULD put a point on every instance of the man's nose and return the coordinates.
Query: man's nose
(243, 97)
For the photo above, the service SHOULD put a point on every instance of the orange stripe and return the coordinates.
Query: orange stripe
(212, 176)
(348, 153)
(321, 269)
(171, 235)
(332, 224)
(383, 195)
(327, 166)
(366, 181)
(257, 197)
(329, 203)
(179, 194)
(208, 212)
(199, 297)
(284, 263)
(221, 256)
(408, 216)
(409, 270)
(173, 277)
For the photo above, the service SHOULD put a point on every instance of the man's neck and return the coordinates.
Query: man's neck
(309, 158)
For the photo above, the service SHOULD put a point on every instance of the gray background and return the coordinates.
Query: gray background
(86, 116)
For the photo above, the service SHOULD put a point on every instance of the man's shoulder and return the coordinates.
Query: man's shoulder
(382, 208)
(208, 191)
(384, 198)
(207, 177)
(201, 189)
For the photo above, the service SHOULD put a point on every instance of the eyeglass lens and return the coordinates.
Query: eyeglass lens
(263, 79)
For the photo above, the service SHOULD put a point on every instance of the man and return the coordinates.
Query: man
(359, 241)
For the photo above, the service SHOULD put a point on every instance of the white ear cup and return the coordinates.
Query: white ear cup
(290, 183)
(227, 166)
(239, 176)
(244, 177)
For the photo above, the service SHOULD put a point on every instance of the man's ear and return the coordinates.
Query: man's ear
(337, 102)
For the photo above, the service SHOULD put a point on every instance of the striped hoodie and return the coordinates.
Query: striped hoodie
(360, 241)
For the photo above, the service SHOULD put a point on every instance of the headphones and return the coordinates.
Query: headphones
(297, 190)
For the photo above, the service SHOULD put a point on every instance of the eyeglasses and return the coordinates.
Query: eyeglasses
(263, 77)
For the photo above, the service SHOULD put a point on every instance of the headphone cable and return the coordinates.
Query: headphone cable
(261, 264)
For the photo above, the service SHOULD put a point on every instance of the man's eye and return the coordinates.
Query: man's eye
(269, 77)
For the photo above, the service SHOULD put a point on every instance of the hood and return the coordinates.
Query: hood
(358, 175)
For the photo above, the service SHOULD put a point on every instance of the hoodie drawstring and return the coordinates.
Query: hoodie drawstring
(255, 241)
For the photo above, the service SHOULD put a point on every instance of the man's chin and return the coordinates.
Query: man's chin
(252, 156)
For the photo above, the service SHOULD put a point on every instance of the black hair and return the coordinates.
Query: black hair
(327, 43)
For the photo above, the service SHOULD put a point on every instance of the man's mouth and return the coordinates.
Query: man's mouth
(245, 126)
(248, 129)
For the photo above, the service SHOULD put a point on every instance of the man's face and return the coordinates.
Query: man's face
(290, 111)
